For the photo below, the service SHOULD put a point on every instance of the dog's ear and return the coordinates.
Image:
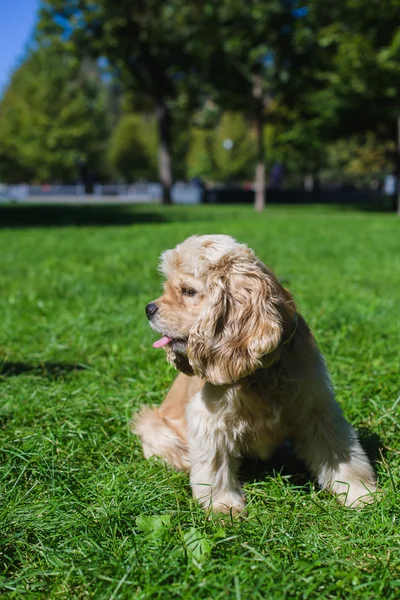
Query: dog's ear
(242, 321)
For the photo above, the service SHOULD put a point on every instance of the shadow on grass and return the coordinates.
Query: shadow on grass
(287, 464)
(47, 369)
(14, 216)
(372, 444)
(77, 216)
(4, 420)
(284, 461)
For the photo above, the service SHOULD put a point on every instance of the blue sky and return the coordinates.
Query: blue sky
(17, 19)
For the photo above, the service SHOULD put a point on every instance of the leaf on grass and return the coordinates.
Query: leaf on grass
(198, 547)
(154, 526)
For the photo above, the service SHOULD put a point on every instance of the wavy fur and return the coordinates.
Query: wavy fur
(251, 376)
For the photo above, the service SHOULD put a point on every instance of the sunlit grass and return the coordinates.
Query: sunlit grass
(82, 515)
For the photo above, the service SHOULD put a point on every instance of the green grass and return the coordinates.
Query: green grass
(82, 515)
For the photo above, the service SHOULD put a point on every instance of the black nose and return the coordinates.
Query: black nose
(151, 310)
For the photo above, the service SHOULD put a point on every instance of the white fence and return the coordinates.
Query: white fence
(14, 192)
(182, 193)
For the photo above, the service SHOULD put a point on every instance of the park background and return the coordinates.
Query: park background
(213, 95)
(264, 94)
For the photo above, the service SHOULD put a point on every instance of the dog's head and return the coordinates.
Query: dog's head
(222, 311)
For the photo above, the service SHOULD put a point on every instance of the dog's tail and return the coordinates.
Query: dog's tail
(159, 438)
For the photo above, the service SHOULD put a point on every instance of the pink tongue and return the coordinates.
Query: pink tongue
(163, 342)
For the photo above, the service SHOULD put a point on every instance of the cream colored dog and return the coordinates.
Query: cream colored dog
(252, 376)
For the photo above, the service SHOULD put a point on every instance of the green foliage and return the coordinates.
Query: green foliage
(155, 527)
(84, 515)
(238, 161)
(180, 134)
(133, 148)
(328, 75)
(53, 115)
(208, 158)
(201, 162)
(359, 159)
(361, 48)
(149, 46)
(198, 546)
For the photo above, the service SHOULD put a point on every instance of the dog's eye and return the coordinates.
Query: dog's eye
(186, 291)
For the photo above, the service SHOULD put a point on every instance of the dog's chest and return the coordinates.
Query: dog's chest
(244, 416)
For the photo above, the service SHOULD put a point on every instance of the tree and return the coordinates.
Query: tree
(146, 44)
(53, 119)
(342, 82)
(180, 53)
(255, 55)
(363, 74)
(133, 148)
(359, 159)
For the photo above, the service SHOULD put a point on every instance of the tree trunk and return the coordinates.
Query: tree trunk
(164, 151)
(259, 203)
(309, 182)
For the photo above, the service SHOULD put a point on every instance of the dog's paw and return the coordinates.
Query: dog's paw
(355, 495)
(231, 504)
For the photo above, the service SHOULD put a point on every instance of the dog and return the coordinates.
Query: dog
(251, 377)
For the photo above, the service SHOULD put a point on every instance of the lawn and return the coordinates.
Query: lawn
(82, 514)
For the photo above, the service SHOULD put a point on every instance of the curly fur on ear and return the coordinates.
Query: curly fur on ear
(242, 321)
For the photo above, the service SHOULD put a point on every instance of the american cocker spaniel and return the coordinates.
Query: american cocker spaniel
(251, 377)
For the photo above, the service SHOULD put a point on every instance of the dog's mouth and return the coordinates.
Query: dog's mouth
(176, 343)
(163, 341)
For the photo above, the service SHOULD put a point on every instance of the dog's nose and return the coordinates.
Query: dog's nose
(151, 310)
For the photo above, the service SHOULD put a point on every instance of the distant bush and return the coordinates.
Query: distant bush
(226, 153)
(132, 151)
(238, 161)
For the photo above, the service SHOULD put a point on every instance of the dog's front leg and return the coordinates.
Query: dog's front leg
(214, 466)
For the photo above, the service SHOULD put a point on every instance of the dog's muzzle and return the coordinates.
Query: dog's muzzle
(151, 310)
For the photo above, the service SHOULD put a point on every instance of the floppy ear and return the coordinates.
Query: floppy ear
(241, 323)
